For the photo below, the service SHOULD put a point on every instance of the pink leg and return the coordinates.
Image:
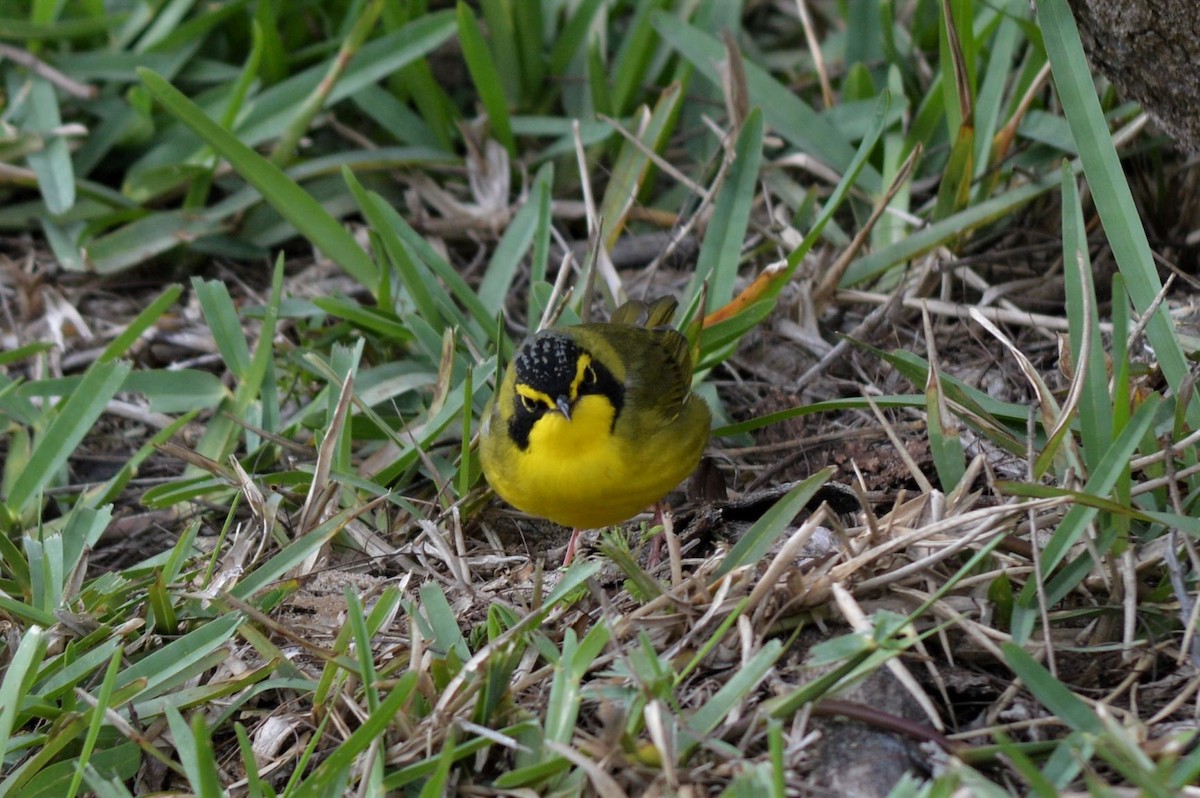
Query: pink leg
(656, 542)
(572, 544)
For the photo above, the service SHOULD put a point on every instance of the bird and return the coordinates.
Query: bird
(593, 423)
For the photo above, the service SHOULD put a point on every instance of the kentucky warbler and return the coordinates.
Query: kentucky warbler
(593, 423)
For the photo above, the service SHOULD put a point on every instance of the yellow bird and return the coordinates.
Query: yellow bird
(594, 423)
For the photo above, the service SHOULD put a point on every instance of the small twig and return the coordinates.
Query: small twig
(1187, 603)
(962, 311)
(834, 707)
(983, 636)
(809, 441)
(814, 48)
(733, 82)
(1129, 602)
(318, 493)
(1175, 704)
(860, 333)
(952, 526)
(1138, 329)
(857, 619)
(1151, 485)
(707, 196)
(901, 451)
(17, 176)
(596, 256)
(40, 68)
(310, 106)
(594, 225)
(1002, 141)
(990, 293)
(662, 163)
(1187, 442)
(1039, 574)
(970, 536)
(553, 305)
(827, 288)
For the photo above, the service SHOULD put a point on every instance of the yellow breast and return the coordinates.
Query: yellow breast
(579, 474)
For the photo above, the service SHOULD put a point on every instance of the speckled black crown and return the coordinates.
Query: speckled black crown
(547, 363)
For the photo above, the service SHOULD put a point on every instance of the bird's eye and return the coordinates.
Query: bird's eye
(589, 376)
(530, 405)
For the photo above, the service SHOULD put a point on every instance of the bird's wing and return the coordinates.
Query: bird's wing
(641, 314)
(663, 376)
(671, 360)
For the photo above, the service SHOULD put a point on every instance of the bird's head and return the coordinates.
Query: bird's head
(553, 373)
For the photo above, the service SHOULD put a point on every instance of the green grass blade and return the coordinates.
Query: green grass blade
(562, 706)
(118, 764)
(630, 68)
(974, 216)
(772, 524)
(541, 244)
(632, 164)
(144, 239)
(18, 674)
(284, 195)
(720, 253)
(289, 557)
(1074, 523)
(530, 34)
(485, 75)
(732, 694)
(1053, 694)
(1109, 188)
(144, 321)
(1095, 405)
(573, 38)
(304, 113)
(208, 779)
(990, 99)
(945, 445)
(318, 785)
(222, 319)
(52, 162)
(25, 31)
(502, 33)
(71, 422)
(173, 659)
(441, 622)
(412, 276)
(783, 111)
(840, 192)
(479, 321)
(510, 251)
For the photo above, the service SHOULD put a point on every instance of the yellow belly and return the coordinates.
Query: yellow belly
(578, 474)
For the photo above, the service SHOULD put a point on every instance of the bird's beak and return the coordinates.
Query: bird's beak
(564, 406)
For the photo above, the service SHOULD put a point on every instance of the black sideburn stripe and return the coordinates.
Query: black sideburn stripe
(521, 423)
(606, 385)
